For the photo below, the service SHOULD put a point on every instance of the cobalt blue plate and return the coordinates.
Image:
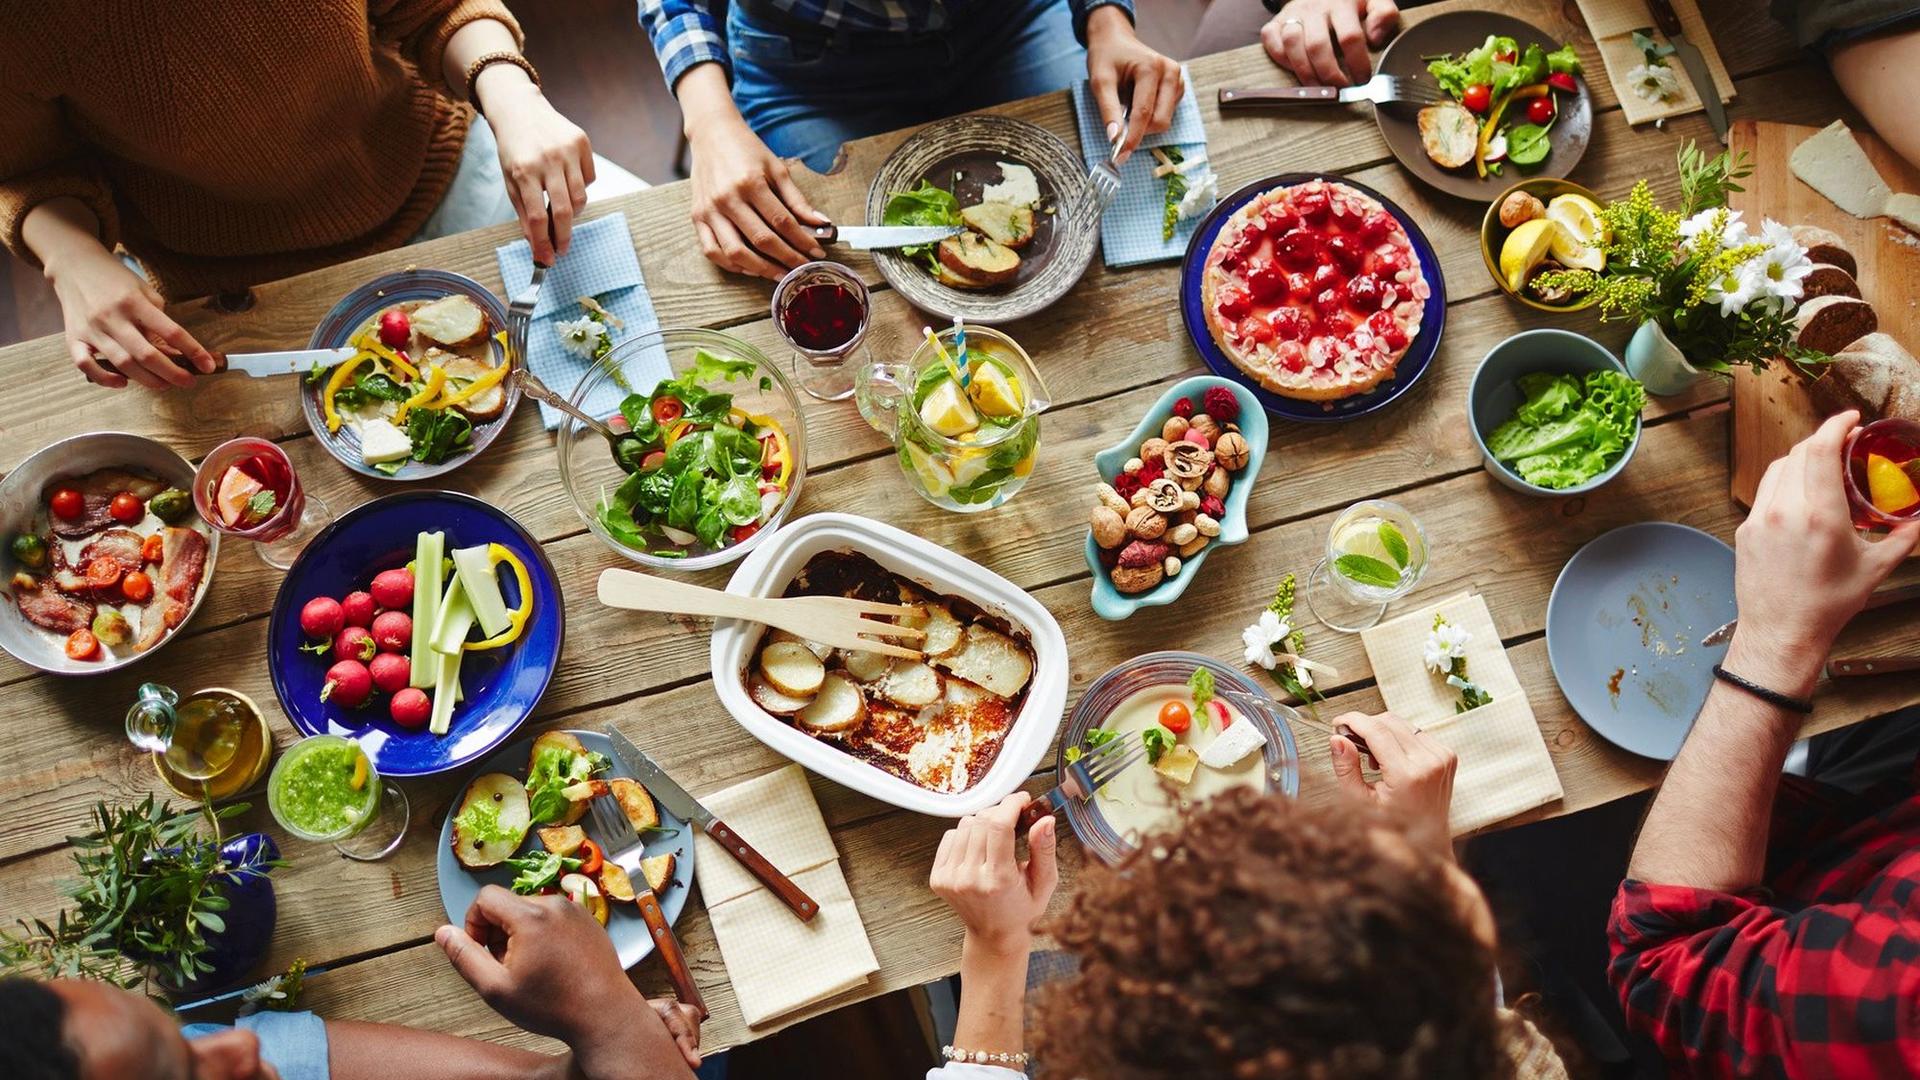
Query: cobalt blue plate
(502, 685)
(1413, 365)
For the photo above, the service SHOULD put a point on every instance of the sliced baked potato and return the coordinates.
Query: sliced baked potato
(452, 321)
(615, 883)
(658, 871)
(462, 369)
(792, 668)
(775, 702)
(1449, 134)
(910, 684)
(979, 258)
(634, 802)
(839, 706)
(562, 840)
(491, 821)
(1002, 222)
(866, 666)
(823, 651)
(990, 659)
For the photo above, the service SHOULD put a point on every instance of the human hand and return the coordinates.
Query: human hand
(1416, 776)
(116, 326)
(683, 1023)
(1304, 36)
(1117, 59)
(997, 897)
(543, 963)
(545, 158)
(750, 216)
(1800, 531)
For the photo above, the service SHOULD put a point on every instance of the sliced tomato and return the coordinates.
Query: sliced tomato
(590, 857)
(741, 533)
(667, 409)
(103, 573)
(82, 645)
(138, 587)
(152, 548)
(67, 503)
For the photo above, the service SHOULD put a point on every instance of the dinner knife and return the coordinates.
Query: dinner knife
(1668, 20)
(682, 804)
(1877, 599)
(869, 237)
(261, 365)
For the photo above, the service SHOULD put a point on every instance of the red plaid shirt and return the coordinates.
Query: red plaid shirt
(1817, 975)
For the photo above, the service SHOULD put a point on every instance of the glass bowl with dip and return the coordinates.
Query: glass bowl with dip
(1155, 692)
(325, 789)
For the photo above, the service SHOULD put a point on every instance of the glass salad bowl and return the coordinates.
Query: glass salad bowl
(682, 488)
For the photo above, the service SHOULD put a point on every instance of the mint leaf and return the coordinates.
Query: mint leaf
(1367, 570)
(259, 508)
(1395, 544)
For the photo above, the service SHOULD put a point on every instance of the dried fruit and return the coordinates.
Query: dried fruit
(1182, 535)
(1207, 426)
(1146, 523)
(1109, 528)
(1232, 451)
(1206, 525)
(1214, 507)
(1220, 404)
(1109, 557)
(1165, 496)
(1172, 566)
(1218, 483)
(1111, 498)
(1183, 408)
(1174, 428)
(1127, 485)
(1143, 553)
(1137, 579)
(1152, 470)
(1187, 460)
(1519, 208)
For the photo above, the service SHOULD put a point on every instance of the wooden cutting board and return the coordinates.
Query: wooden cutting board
(1771, 412)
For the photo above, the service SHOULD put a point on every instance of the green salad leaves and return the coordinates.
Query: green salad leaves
(537, 870)
(924, 205)
(1502, 65)
(1569, 429)
(555, 769)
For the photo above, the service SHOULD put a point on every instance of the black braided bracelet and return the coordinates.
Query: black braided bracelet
(1771, 697)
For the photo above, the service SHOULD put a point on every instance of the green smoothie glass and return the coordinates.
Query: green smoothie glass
(325, 789)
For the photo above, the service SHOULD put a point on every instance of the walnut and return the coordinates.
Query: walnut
(1187, 460)
(1109, 528)
(1137, 579)
(1142, 553)
(1232, 451)
(1205, 525)
(1111, 499)
(1146, 523)
(1519, 208)
(1172, 566)
(1206, 426)
(1153, 449)
(1192, 548)
(1164, 495)
(1218, 483)
(1182, 535)
(1175, 427)
(1132, 466)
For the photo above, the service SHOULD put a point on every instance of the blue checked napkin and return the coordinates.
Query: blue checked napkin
(600, 263)
(1130, 231)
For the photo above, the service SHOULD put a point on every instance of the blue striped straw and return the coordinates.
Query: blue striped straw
(960, 348)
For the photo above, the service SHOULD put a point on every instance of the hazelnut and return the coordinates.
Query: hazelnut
(1154, 449)
(1184, 517)
(1175, 427)
(1182, 535)
(1142, 553)
(1132, 466)
(1232, 451)
(1137, 579)
(1111, 499)
(1165, 495)
(1218, 483)
(1146, 523)
(1187, 460)
(1520, 208)
(1205, 525)
(1172, 566)
(1192, 548)
(1109, 529)
(1206, 425)
(1189, 500)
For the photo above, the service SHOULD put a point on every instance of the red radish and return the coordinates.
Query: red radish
(395, 329)
(1220, 713)
(322, 617)
(391, 672)
(1562, 81)
(392, 631)
(393, 589)
(354, 643)
(358, 607)
(411, 707)
(349, 684)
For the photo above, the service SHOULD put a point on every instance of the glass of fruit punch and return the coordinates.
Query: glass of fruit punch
(248, 488)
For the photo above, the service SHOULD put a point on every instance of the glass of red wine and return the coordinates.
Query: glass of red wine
(248, 488)
(821, 310)
(1883, 473)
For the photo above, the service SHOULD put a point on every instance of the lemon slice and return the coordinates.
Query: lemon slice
(1577, 242)
(993, 391)
(1889, 487)
(933, 476)
(1363, 538)
(948, 411)
(1526, 247)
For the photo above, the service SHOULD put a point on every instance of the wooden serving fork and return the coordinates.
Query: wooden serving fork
(838, 621)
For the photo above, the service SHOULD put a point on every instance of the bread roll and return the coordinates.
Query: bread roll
(1875, 375)
(1825, 246)
(1829, 324)
(1828, 280)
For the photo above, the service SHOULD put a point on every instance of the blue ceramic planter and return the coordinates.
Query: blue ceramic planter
(1111, 603)
(250, 915)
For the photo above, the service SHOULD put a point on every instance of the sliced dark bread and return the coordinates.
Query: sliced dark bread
(1828, 280)
(1825, 246)
(1829, 324)
(1875, 375)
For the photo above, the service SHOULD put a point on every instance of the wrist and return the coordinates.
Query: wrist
(997, 947)
(501, 86)
(1786, 668)
(604, 1033)
(1108, 21)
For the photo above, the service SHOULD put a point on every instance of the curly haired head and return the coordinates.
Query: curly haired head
(1269, 939)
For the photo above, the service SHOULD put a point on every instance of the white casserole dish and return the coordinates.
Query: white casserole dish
(768, 569)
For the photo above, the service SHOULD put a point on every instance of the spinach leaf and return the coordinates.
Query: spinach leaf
(690, 452)
(381, 387)
(437, 434)
(739, 502)
(1527, 144)
(683, 505)
(710, 527)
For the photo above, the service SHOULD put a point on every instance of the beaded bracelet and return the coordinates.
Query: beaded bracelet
(503, 57)
(1771, 697)
(1015, 1058)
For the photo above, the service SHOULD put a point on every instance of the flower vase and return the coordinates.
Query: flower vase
(1658, 363)
(249, 918)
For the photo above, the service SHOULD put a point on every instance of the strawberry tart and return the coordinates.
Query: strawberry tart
(1314, 290)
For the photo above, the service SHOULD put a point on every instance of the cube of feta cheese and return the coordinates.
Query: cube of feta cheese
(1231, 745)
(381, 442)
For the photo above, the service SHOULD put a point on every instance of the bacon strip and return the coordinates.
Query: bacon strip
(45, 608)
(183, 560)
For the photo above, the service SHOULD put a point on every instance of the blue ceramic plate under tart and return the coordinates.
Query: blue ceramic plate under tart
(459, 885)
(1419, 354)
(1624, 626)
(502, 685)
(362, 304)
(1111, 603)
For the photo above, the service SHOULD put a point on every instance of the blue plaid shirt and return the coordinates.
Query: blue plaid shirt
(684, 32)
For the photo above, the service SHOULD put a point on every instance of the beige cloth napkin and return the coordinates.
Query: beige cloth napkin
(776, 962)
(1612, 23)
(1504, 765)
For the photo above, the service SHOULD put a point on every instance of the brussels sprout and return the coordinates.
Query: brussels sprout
(30, 551)
(111, 628)
(171, 506)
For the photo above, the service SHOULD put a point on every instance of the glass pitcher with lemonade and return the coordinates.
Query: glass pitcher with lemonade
(965, 448)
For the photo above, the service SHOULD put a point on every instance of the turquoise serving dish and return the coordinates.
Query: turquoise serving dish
(1111, 603)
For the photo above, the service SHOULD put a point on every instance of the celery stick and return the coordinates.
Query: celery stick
(483, 589)
(446, 691)
(455, 619)
(429, 578)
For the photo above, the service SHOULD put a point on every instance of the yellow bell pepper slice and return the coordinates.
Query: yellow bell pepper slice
(368, 343)
(674, 433)
(478, 386)
(436, 380)
(784, 447)
(334, 382)
(517, 619)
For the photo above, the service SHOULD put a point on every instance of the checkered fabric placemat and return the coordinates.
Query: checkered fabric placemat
(599, 263)
(1131, 231)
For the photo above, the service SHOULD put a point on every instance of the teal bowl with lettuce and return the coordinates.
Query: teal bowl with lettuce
(1554, 413)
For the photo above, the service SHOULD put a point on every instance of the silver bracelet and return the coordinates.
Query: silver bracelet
(1015, 1058)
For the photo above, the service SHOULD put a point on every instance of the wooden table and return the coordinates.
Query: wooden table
(1109, 350)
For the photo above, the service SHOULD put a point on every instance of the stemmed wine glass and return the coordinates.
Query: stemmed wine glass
(248, 488)
(821, 310)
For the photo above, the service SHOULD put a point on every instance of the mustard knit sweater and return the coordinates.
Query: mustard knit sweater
(229, 142)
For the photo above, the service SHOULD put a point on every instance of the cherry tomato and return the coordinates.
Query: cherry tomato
(590, 858)
(1176, 717)
(653, 460)
(138, 587)
(152, 548)
(1506, 57)
(82, 645)
(103, 573)
(667, 409)
(1477, 97)
(127, 508)
(68, 503)
(742, 533)
(1540, 110)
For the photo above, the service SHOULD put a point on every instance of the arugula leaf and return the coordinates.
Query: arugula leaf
(537, 870)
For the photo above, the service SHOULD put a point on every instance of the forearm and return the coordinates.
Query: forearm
(60, 230)
(630, 1042)
(471, 42)
(706, 102)
(993, 991)
(1708, 824)
(362, 1051)
(1096, 17)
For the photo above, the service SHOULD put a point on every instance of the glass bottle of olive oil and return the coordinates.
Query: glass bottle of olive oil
(211, 744)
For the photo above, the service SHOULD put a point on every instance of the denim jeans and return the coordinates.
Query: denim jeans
(805, 95)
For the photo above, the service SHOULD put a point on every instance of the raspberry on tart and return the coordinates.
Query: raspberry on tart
(1314, 290)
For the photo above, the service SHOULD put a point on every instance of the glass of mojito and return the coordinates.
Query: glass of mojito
(1376, 553)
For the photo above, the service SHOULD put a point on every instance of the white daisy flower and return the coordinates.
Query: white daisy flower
(1653, 82)
(1732, 232)
(1783, 265)
(1445, 644)
(1735, 290)
(580, 336)
(1262, 636)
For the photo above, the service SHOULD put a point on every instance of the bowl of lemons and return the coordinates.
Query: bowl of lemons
(1538, 226)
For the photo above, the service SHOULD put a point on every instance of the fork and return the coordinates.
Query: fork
(529, 384)
(1103, 180)
(830, 620)
(1095, 769)
(520, 315)
(1381, 90)
(621, 845)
